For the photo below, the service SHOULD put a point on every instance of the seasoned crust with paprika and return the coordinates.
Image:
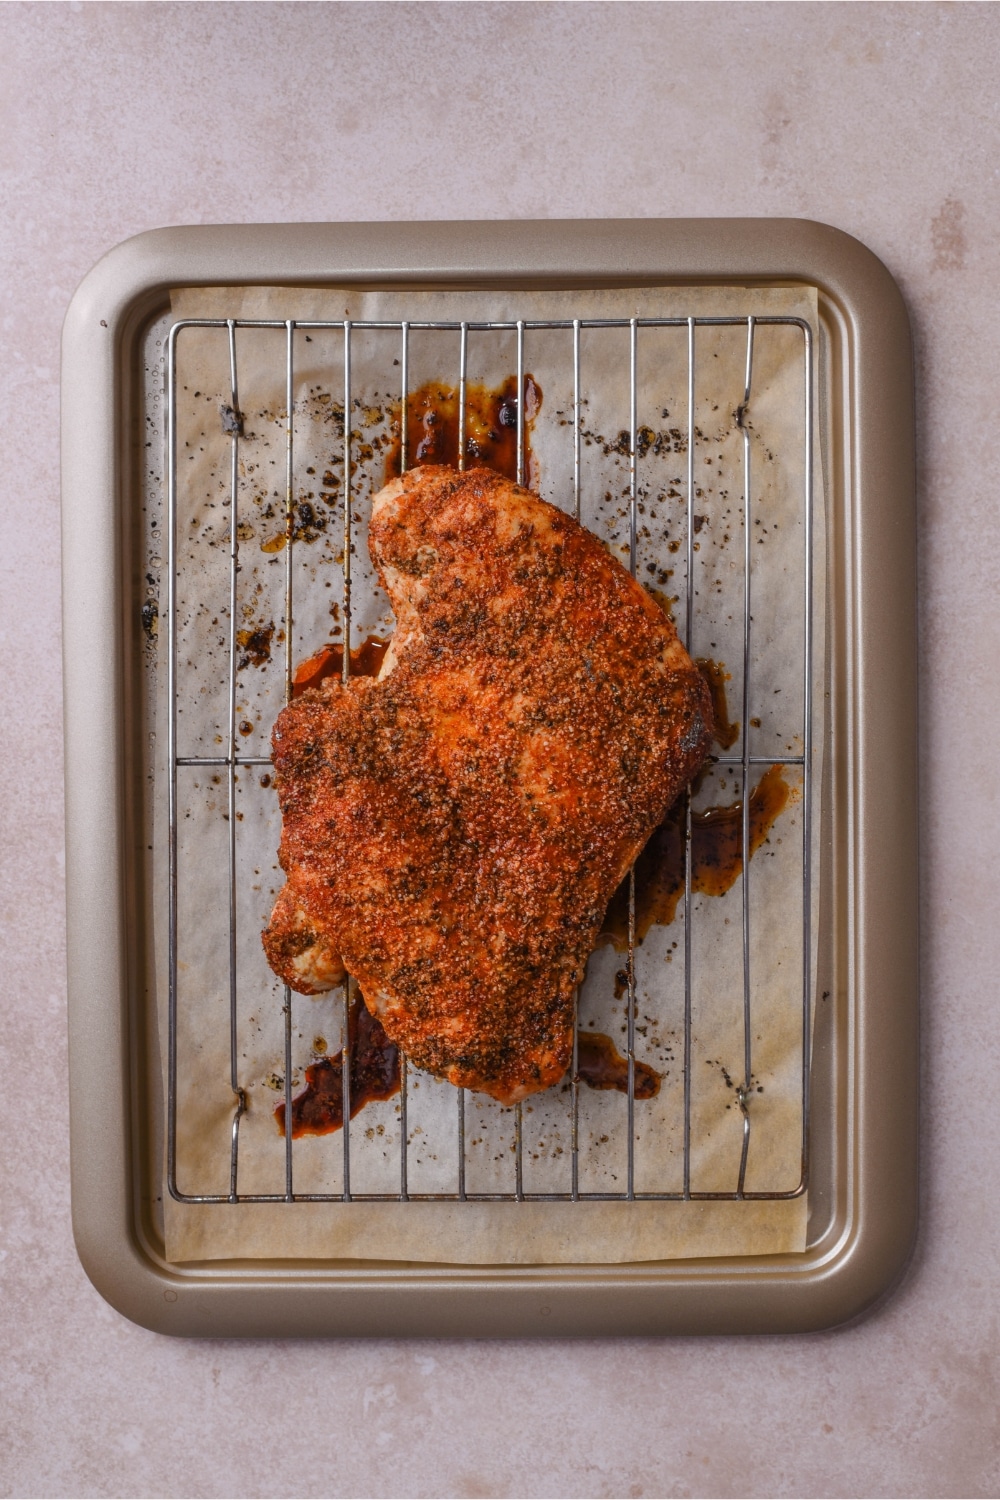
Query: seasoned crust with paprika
(454, 829)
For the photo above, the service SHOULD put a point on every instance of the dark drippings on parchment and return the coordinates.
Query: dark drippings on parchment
(328, 661)
(716, 838)
(600, 1065)
(716, 858)
(726, 733)
(255, 643)
(374, 1074)
(432, 417)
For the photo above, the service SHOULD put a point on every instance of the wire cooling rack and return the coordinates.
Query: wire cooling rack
(743, 766)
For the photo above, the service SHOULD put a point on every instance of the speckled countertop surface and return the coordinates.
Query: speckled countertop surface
(883, 120)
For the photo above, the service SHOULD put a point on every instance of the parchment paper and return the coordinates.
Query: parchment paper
(448, 1232)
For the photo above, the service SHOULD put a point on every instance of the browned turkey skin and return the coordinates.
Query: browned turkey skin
(454, 829)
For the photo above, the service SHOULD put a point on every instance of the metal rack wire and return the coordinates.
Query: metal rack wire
(741, 764)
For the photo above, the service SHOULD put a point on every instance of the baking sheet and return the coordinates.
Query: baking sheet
(488, 1232)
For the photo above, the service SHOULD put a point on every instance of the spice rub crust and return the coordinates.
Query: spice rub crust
(453, 830)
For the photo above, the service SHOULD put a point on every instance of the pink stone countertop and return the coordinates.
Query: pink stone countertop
(881, 119)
